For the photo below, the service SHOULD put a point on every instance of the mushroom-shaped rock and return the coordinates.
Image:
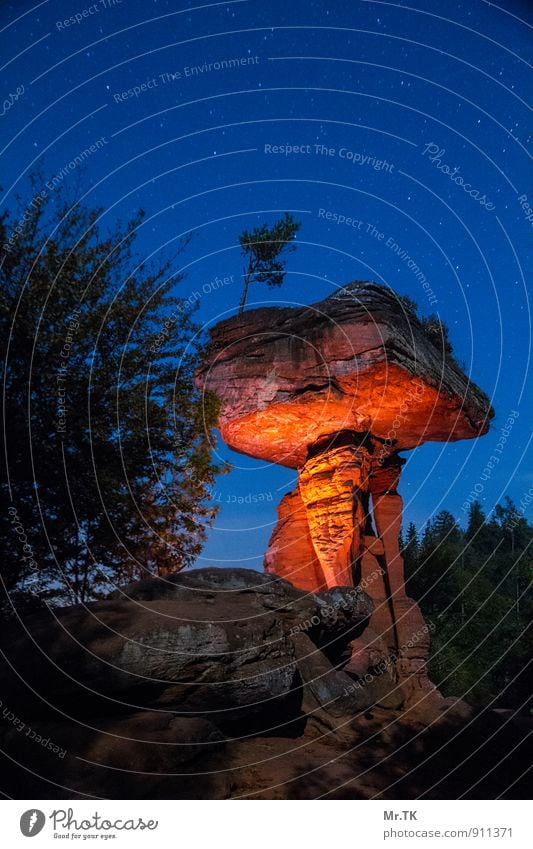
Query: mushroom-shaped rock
(357, 361)
(334, 390)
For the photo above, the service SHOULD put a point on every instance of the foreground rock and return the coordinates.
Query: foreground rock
(218, 643)
(380, 754)
(177, 689)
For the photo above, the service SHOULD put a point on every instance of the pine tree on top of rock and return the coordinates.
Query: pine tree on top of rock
(263, 248)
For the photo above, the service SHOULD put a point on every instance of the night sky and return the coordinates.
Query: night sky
(385, 106)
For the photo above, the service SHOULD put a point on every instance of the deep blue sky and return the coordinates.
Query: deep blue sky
(380, 79)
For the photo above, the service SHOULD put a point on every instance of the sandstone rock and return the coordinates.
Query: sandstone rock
(381, 753)
(355, 361)
(366, 653)
(335, 390)
(340, 611)
(329, 693)
(290, 552)
(216, 643)
(131, 756)
(329, 481)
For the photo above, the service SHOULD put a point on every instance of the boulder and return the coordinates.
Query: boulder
(145, 754)
(216, 643)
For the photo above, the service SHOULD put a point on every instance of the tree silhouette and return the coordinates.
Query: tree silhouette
(474, 586)
(263, 249)
(106, 441)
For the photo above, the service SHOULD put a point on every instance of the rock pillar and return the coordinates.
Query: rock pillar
(387, 508)
(290, 552)
(410, 643)
(325, 538)
(333, 483)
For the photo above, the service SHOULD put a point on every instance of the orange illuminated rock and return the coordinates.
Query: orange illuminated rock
(290, 552)
(330, 482)
(287, 376)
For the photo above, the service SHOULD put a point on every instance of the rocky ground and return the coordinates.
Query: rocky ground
(224, 683)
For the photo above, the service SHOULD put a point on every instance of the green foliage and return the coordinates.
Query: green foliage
(106, 439)
(475, 587)
(263, 249)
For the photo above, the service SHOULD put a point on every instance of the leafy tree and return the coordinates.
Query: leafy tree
(409, 305)
(263, 248)
(106, 441)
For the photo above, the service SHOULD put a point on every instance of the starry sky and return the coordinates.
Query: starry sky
(214, 117)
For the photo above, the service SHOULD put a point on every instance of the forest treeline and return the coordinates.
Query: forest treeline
(474, 586)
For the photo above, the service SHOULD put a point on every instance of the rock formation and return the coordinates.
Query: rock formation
(218, 643)
(336, 390)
